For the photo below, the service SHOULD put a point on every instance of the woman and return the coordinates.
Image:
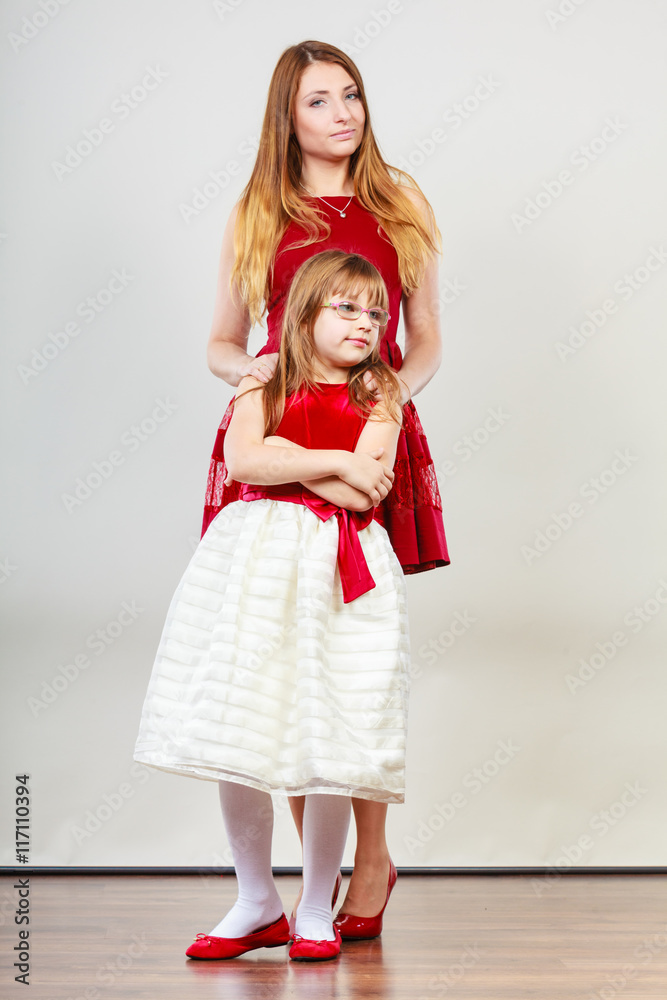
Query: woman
(319, 182)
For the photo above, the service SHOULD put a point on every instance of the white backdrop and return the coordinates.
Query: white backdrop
(536, 129)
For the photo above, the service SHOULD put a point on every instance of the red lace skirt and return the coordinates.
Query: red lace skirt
(411, 513)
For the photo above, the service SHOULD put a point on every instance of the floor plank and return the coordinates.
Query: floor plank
(470, 937)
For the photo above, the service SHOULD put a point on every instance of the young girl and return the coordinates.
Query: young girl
(283, 664)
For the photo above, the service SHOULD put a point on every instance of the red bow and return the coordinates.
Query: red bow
(355, 576)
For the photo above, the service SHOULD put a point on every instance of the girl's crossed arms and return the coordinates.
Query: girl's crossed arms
(355, 480)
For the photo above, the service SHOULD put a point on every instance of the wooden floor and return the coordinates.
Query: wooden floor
(463, 936)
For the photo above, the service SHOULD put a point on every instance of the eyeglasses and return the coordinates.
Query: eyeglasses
(352, 310)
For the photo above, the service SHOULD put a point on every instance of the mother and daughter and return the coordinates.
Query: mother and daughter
(284, 661)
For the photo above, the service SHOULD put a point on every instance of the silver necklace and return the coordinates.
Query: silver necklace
(341, 211)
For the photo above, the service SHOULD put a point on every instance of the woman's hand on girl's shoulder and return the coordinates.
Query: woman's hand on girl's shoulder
(262, 367)
(371, 383)
(379, 411)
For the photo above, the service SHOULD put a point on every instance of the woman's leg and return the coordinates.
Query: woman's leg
(326, 819)
(367, 891)
(248, 818)
(297, 804)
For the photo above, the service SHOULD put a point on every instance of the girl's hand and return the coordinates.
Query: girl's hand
(261, 368)
(371, 382)
(366, 473)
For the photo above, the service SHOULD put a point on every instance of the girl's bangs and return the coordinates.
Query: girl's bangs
(353, 289)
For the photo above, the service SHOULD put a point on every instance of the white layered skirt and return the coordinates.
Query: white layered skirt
(265, 677)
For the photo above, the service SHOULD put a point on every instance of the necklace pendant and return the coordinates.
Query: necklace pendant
(341, 211)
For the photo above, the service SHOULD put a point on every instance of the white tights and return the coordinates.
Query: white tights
(248, 818)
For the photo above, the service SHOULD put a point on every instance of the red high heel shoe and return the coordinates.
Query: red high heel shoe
(206, 946)
(363, 928)
(292, 919)
(305, 950)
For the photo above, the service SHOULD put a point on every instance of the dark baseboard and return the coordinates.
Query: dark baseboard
(205, 870)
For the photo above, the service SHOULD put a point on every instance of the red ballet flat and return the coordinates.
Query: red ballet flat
(363, 928)
(208, 947)
(292, 919)
(305, 950)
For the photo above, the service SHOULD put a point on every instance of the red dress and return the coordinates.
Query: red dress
(411, 513)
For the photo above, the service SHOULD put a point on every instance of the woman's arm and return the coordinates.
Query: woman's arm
(226, 351)
(249, 460)
(421, 317)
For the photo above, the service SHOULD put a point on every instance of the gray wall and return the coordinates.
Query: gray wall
(537, 726)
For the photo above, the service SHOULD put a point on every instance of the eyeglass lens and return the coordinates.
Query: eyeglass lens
(351, 310)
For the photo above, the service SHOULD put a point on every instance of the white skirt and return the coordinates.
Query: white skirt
(265, 677)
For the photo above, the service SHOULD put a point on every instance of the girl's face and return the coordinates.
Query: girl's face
(342, 343)
(328, 116)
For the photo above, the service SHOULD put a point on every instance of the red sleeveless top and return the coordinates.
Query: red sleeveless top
(325, 418)
(412, 511)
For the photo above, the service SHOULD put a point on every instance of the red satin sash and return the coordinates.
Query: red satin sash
(355, 576)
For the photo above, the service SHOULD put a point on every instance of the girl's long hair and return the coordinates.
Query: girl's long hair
(272, 197)
(327, 274)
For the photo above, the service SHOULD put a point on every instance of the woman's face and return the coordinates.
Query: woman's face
(328, 116)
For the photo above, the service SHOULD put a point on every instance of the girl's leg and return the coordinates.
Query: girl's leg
(326, 820)
(248, 817)
(367, 891)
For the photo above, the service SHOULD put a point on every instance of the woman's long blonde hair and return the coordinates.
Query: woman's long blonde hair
(272, 197)
(327, 274)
